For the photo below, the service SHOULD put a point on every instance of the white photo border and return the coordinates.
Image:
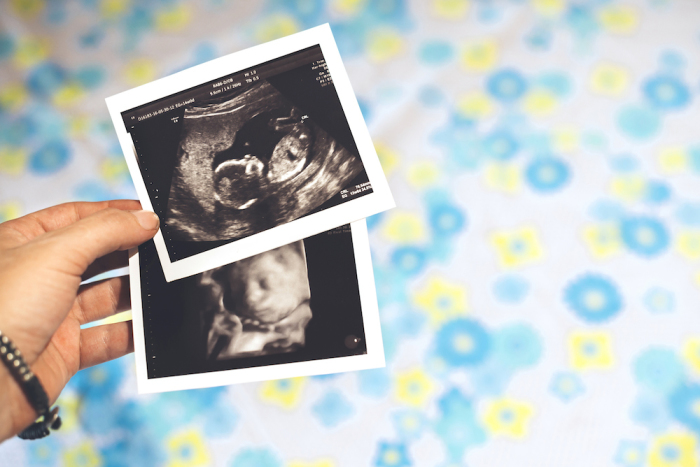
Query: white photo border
(374, 358)
(359, 208)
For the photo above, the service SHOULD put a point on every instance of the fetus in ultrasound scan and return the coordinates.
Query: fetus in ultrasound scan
(249, 164)
(257, 306)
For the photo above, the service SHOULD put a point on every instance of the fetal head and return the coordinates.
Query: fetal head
(269, 286)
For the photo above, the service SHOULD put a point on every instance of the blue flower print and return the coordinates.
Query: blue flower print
(219, 420)
(657, 192)
(135, 447)
(624, 163)
(445, 218)
(639, 123)
(436, 52)
(666, 92)
(100, 382)
(42, 452)
(409, 260)
(659, 300)
(457, 424)
(332, 409)
(658, 369)
(689, 214)
(517, 346)
(566, 386)
(672, 60)
(392, 455)
(491, 378)
(630, 453)
(644, 236)
(51, 157)
(91, 76)
(256, 457)
(431, 96)
(501, 145)
(374, 383)
(45, 79)
(557, 83)
(506, 85)
(582, 21)
(593, 298)
(685, 405)
(651, 411)
(409, 424)
(463, 342)
(547, 174)
(606, 210)
(511, 289)
(7, 46)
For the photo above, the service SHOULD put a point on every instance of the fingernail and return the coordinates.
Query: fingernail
(147, 219)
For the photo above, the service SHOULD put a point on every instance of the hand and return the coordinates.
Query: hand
(44, 257)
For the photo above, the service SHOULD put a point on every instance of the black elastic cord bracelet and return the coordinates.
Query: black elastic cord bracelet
(33, 390)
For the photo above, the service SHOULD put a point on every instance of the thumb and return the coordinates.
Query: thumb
(76, 246)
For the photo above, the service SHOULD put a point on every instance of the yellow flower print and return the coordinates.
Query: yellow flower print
(609, 80)
(565, 140)
(27, 8)
(83, 455)
(68, 95)
(549, 7)
(404, 227)
(318, 463)
(139, 71)
(187, 450)
(285, 393)
(12, 160)
(508, 417)
(628, 188)
(691, 352)
(414, 387)
(275, 27)
(423, 174)
(349, 7)
(602, 240)
(503, 177)
(688, 244)
(673, 450)
(30, 51)
(451, 9)
(174, 18)
(13, 96)
(387, 157)
(10, 210)
(618, 19)
(384, 45)
(475, 105)
(590, 350)
(539, 103)
(441, 300)
(673, 160)
(111, 9)
(517, 247)
(480, 56)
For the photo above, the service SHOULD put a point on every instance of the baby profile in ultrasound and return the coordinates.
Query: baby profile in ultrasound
(251, 163)
(256, 306)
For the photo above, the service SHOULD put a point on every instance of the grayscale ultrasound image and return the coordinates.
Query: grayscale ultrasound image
(251, 163)
(256, 306)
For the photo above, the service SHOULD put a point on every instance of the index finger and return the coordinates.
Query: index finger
(23, 229)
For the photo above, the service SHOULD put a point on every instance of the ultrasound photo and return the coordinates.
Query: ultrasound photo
(251, 163)
(256, 306)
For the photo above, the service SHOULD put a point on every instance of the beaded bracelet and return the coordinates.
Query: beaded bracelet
(33, 390)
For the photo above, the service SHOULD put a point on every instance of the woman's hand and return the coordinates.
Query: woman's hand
(44, 257)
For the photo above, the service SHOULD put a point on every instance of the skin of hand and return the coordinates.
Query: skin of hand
(44, 257)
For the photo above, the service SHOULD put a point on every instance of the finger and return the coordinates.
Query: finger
(110, 262)
(73, 248)
(23, 229)
(100, 344)
(101, 299)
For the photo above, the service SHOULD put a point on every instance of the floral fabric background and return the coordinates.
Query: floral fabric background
(539, 282)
